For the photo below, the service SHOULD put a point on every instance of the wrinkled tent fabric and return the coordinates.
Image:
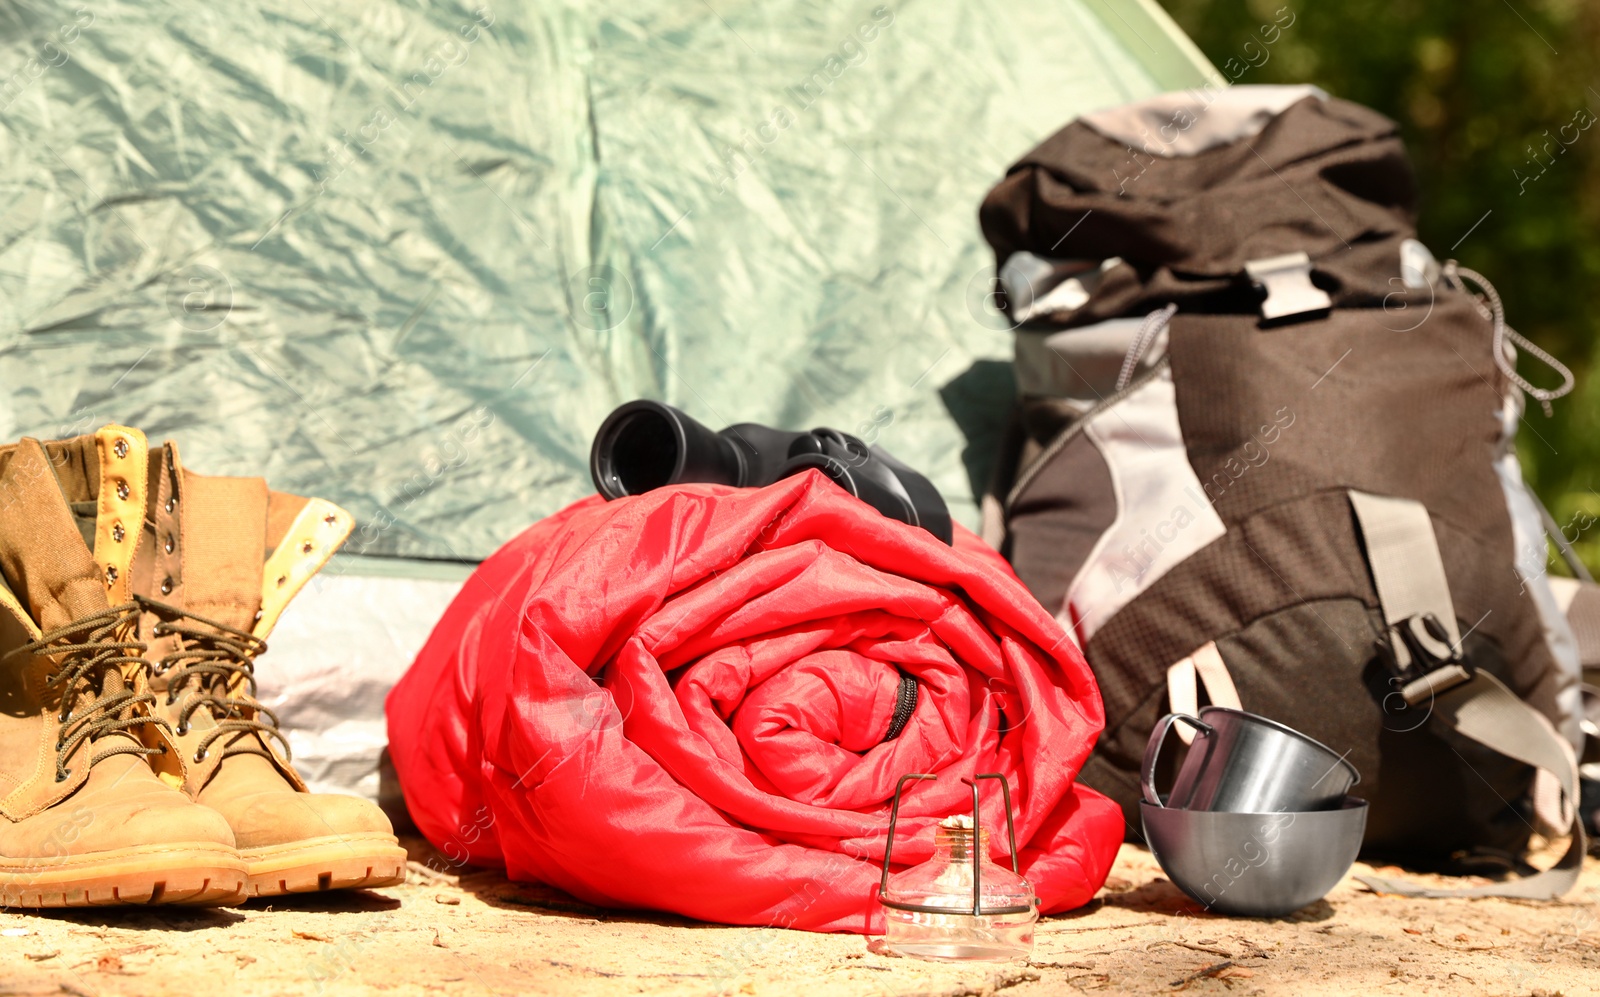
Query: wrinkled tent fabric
(678, 701)
(407, 256)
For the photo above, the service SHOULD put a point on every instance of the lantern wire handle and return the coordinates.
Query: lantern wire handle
(977, 849)
(1011, 828)
(894, 816)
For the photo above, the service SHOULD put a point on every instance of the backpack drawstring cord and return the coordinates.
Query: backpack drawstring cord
(1455, 275)
(1148, 331)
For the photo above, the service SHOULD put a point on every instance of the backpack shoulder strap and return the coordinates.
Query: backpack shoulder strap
(1403, 555)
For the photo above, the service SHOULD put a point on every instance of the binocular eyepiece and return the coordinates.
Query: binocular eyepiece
(644, 445)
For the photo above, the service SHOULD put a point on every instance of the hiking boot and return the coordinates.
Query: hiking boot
(90, 812)
(223, 558)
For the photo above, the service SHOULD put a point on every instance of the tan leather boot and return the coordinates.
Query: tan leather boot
(224, 558)
(90, 812)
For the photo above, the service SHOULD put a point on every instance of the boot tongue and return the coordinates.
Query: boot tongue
(42, 552)
(222, 540)
(221, 526)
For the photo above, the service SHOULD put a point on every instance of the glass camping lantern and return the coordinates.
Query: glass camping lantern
(960, 904)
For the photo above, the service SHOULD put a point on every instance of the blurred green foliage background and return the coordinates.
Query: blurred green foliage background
(1482, 90)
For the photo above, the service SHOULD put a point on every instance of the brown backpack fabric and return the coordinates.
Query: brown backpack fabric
(1263, 439)
(1325, 177)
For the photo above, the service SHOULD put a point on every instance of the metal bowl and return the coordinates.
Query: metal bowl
(1255, 865)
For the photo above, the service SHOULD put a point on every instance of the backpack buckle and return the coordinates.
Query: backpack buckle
(1418, 653)
(1287, 281)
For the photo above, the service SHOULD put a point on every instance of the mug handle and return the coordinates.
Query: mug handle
(1147, 779)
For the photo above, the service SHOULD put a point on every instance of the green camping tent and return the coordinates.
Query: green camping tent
(407, 256)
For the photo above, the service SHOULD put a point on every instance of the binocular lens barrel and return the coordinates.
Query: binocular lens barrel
(642, 454)
(645, 445)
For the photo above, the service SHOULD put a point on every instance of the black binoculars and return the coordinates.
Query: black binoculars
(644, 445)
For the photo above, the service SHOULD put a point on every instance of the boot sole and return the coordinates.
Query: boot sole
(335, 862)
(197, 875)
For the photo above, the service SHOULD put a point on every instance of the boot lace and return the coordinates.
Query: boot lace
(92, 651)
(220, 661)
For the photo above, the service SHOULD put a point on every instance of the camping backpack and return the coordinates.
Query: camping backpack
(1263, 455)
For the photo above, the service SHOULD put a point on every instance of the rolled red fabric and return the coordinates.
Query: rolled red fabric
(679, 701)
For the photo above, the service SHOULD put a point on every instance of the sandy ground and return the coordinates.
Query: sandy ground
(479, 934)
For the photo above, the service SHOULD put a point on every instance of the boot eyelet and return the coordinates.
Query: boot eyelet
(166, 586)
(200, 756)
(120, 448)
(183, 731)
(117, 532)
(171, 501)
(170, 544)
(122, 490)
(63, 775)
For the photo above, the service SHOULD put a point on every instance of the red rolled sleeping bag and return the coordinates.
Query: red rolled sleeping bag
(680, 701)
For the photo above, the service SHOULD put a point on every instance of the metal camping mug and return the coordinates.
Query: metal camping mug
(1242, 763)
